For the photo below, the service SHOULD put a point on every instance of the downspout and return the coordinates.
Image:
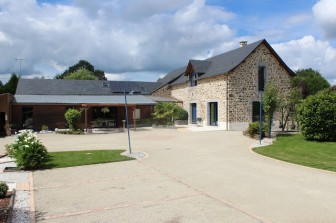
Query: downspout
(227, 103)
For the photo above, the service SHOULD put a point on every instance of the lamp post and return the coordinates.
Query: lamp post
(260, 117)
(127, 124)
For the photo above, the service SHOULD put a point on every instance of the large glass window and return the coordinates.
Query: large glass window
(261, 78)
(193, 113)
(104, 116)
(255, 111)
(27, 117)
(213, 113)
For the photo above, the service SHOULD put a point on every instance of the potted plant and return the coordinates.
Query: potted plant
(14, 128)
(199, 121)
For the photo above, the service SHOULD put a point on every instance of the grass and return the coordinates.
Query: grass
(296, 149)
(87, 157)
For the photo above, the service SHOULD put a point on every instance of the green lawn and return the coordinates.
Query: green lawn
(295, 149)
(87, 157)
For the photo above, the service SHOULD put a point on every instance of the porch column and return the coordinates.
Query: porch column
(86, 107)
(7, 125)
(134, 117)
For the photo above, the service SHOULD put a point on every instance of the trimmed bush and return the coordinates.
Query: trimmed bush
(317, 116)
(28, 151)
(3, 189)
(254, 129)
(72, 116)
(181, 114)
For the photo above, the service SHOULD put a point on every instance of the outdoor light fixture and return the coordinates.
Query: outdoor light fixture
(127, 124)
(260, 118)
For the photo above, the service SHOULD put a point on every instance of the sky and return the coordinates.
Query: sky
(145, 39)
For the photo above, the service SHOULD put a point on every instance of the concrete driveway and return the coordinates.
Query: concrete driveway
(188, 177)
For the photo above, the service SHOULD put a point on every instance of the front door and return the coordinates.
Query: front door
(213, 113)
(193, 113)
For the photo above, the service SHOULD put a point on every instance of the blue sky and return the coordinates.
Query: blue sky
(145, 39)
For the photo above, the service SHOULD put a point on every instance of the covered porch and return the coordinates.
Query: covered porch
(106, 111)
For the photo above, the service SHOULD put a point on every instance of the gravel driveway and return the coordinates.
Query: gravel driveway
(188, 177)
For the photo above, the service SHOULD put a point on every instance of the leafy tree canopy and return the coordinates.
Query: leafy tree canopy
(270, 103)
(81, 74)
(82, 64)
(309, 81)
(10, 86)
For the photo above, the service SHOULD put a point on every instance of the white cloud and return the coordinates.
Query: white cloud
(308, 52)
(325, 15)
(115, 36)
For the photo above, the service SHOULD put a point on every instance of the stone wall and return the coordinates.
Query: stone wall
(242, 90)
(243, 83)
(165, 91)
(211, 89)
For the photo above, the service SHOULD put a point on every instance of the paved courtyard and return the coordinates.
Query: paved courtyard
(188, 177)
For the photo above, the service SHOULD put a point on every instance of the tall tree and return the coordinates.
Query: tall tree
(309, 81)
(1, 87)
(82, 64)
(81, 74)
(270, 103)
(11, 85)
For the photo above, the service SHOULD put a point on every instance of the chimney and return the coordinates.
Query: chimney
(243, 43)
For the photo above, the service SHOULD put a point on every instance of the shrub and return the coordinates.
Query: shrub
(164, 113)
(45, 128)
(70, 132)
(3, 189)
(28, 151)
(72, 116)
(181, 114)
(317, 116)
(254, 129)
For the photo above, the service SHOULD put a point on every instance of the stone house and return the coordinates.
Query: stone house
(224, 90)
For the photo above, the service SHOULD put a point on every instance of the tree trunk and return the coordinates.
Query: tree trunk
(269, 125)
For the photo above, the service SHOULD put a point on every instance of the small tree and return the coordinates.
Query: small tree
(317, 116)
(72, 116)
(164, 112)
(270, 103)
(289, 105)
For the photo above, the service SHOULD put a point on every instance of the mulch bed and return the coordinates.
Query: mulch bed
(4, 207)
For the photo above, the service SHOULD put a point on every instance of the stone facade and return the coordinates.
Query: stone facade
(234, 92)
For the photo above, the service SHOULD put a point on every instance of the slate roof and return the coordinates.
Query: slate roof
(220, 64)
(172, 75)
(200, 66)
(83, 99)
(163, 99)
(82, 87)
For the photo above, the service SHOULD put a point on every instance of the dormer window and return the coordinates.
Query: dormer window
(193, 80)
(105, 84)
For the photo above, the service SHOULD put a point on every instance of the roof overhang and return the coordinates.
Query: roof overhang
(113, 100)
